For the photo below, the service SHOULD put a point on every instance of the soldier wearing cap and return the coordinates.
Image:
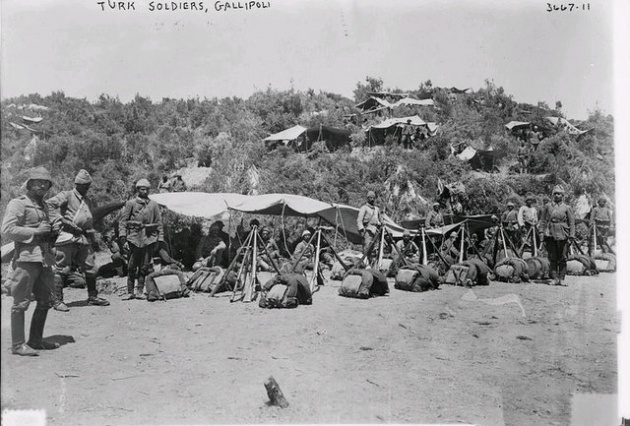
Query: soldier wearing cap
(408, 248)
(509, 219)
(449, 248)
(71, 214)
(407, 135)
(369, 220)
(27, 222)
(434, 218)
(178, 184)
(602, 218)
(528, 216)
(268, 250)
(558, 225)
(304, 246)
(141, 228)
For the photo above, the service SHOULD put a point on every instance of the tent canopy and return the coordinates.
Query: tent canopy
(566, 125)
(415, 121)
(287, 135)
(515, 125)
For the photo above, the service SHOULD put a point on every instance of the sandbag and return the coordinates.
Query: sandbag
(417, 278)
(588, 265)
(205, 279)
(167, 287)
(537, 268)
(517, 274)
(606, 262)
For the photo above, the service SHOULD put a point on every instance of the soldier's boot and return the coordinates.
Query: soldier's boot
(57, 295)
(18, 345)
(93, 299)
(36, 334)
(140, 289)
(130, 285)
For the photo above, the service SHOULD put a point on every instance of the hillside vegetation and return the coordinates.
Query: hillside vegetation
(118, 143)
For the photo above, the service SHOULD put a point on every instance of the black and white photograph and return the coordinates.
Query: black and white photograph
(314, 212)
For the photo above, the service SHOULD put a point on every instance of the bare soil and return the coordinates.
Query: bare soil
(447, 356)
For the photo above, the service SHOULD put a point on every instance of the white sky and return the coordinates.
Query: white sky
(75, 47)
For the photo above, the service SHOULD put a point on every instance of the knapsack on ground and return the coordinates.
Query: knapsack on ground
(479, 273)
(417, 278)
(581, 264)
(285, 291)
(205, 279)
(511, 270)
(166, 287)
(363, 283)
(605, 262)
(537, 268)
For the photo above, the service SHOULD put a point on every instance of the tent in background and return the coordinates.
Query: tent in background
(286, 137)
(393, 126)
(334, 137)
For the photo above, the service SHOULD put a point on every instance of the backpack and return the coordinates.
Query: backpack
(478, 273)
(511, 270)
(166, 287)
(417, 278)
(581, 264)
(287, 290)
(606, 262)
(205, 279)
(357, 284)
(537, 268)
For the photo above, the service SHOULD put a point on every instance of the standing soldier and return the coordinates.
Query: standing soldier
(602, 218)
(509, 219)
(558, 224)
(528, 217)
(368, 221)
(434, 218)
(140, 227)
(523, 158)
(27, 223)
(179, 185)
(407, 135)
(71, 214)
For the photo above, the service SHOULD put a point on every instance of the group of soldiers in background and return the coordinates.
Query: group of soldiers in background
(176, 184)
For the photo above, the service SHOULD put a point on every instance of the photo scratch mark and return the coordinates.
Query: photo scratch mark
(470, 296)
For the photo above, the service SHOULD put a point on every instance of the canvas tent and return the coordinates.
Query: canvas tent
(517, 125)
(301, 138)
(334, 137)
(563, 124)
(393, 126)
(373, 104)
(285, 137)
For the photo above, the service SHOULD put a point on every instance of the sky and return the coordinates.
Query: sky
(84, 51)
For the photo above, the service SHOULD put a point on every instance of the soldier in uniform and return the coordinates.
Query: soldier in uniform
(602, 218)
(368, 220)
(408, 248)
(141, 228)
(179, 185)
(558, 225)
(434, 218)
(71, 214)
(528, 217)
(509, 219)
(27, 223)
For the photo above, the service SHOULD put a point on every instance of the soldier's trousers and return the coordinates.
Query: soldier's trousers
(557, 251)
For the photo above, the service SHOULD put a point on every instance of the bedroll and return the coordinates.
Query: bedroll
(537, 268)
(606, 262)
(417, 278)
(285, 291)
(511, 270)
(205, 279)
(363, 283)
(581, 264)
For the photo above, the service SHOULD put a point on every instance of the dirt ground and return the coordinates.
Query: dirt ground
(454, 355)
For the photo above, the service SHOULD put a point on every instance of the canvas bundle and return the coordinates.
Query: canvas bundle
(363, 283)
(456, 275)
(581, 264)
(285, 291)
(478, 272)
(606, 262)
(167, 287)
(537, 268)
(205, 279)
(417, 278)
(511, 270)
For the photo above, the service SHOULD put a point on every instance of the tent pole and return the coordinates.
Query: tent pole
(425, 260)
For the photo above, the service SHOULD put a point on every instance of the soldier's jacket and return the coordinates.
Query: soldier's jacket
(510, 219)
(23, 215)
(558, 221)
(73, 207)
(309, 250)
(408, 249)
(434, 219)
(369, 218)
(602, 215)
(141, 222)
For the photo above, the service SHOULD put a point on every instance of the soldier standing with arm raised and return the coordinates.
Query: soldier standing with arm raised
(71, 214)
(26, 221)
(140, 227)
